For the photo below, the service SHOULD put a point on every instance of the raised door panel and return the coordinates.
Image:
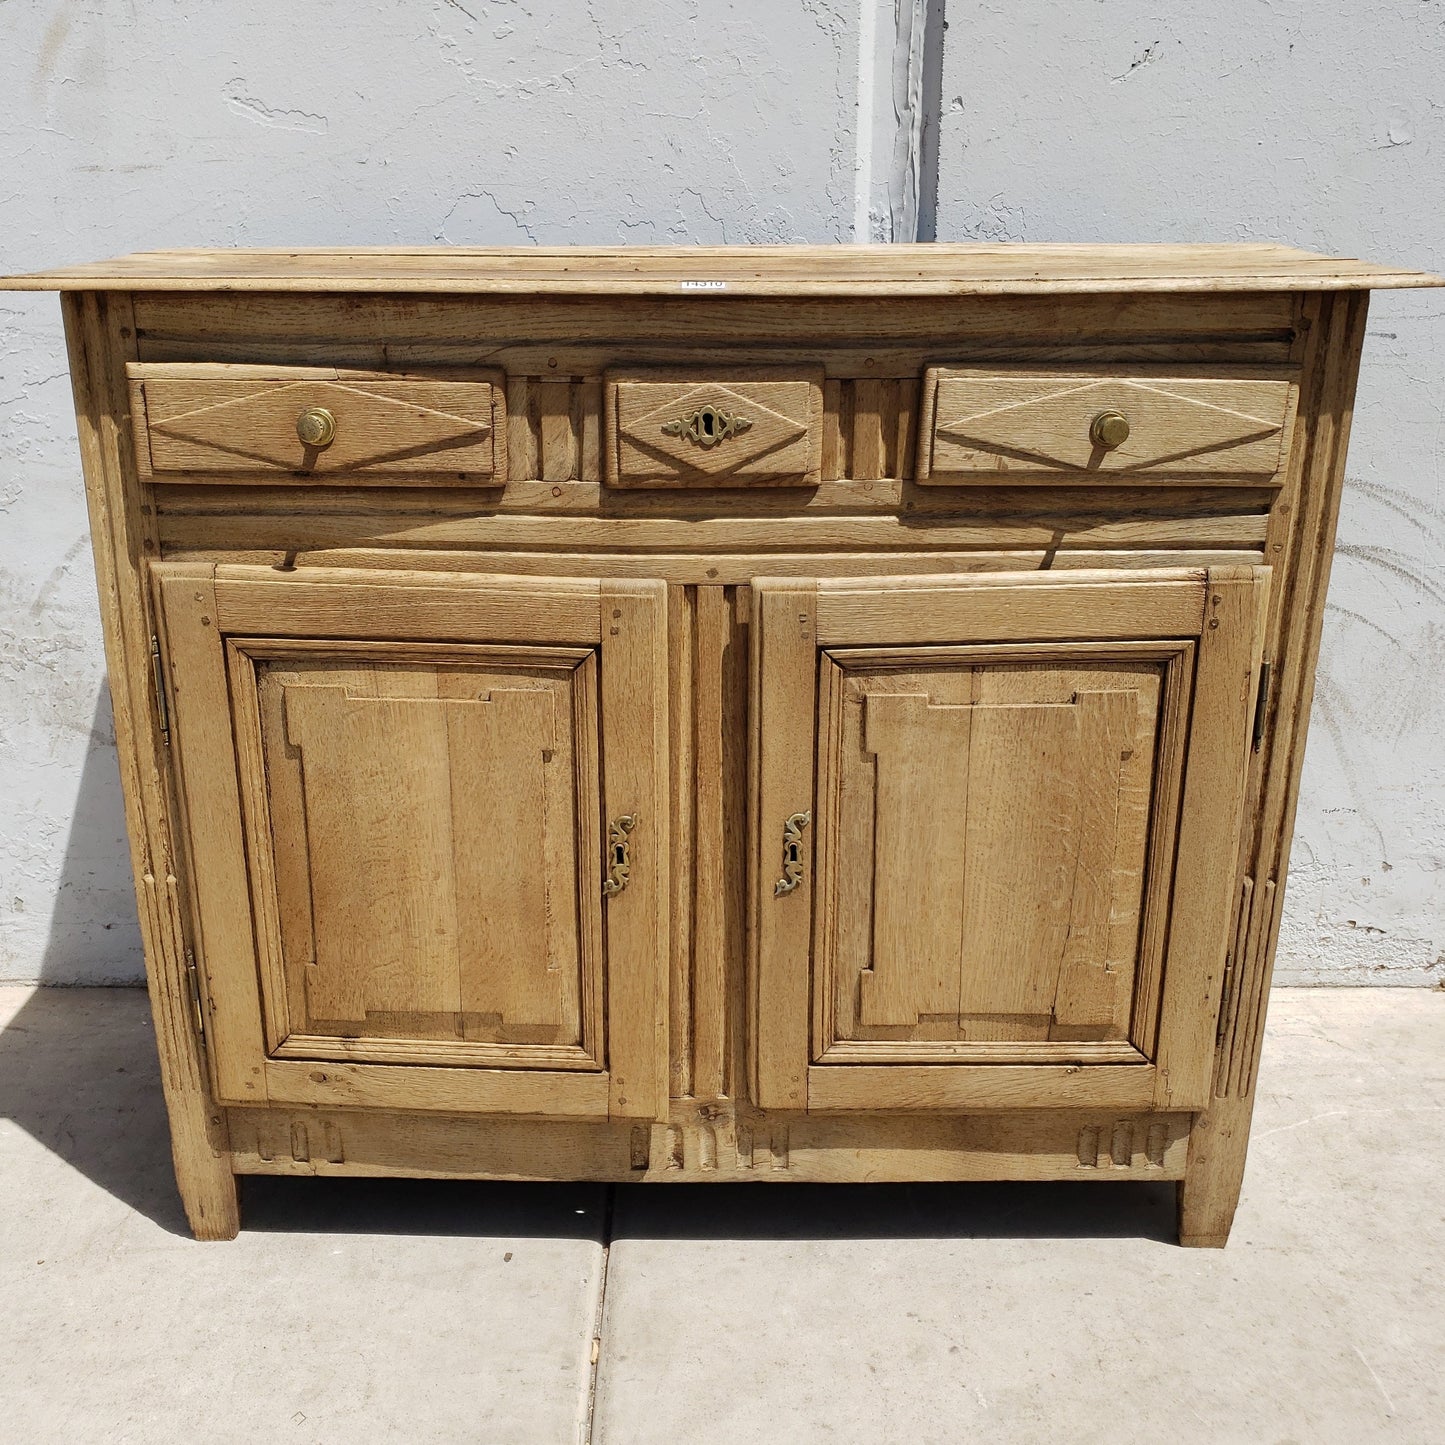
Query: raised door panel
(1007, 890)
(396, 844)
(992, 819)
(424, 822)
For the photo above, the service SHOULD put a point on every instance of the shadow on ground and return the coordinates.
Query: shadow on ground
(78, 1067)
(896, 1211)
(78, 1073)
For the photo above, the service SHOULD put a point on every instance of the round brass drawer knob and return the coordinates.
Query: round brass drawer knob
(316, 427)
(1110, 429)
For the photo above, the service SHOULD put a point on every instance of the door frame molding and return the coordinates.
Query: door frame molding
(1221, 610)
(200, 605)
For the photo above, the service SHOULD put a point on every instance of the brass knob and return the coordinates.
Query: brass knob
(1109, 429)
(316, 427)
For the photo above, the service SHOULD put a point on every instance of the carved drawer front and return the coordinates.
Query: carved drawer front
(319, 424)
(714, 429)
(991, 814)
(1026, 425)
(399, 792)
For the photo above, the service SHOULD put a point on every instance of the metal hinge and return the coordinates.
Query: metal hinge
(198, 1012)
(163, 712)
(1261, 705)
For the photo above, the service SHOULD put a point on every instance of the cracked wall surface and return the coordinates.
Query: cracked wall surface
(1320, 123)
(135, 124)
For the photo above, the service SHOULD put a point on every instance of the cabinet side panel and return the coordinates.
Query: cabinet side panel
(100, 337)
(1304, 540)
(1294, 647)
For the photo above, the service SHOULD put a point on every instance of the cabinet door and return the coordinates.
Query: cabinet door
(427, 829)
(995, 827)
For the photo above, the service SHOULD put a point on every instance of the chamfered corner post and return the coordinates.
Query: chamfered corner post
(1302, 538)
(100, 338)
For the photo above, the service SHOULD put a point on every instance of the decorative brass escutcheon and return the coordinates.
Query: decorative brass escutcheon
(792, 853)
(707, 426)
(1109, 429)
(619, 861)
(316, 427)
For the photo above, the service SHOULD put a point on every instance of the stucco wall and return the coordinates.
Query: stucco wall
(129, 124)
(1320, 123)
(133, 124)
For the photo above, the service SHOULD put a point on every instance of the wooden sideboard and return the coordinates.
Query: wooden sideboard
(713, 714)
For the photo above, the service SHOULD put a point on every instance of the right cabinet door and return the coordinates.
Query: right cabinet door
(995, 825)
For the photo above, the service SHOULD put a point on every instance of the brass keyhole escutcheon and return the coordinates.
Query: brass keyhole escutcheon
(707, 426)
(792, 853)
(316, 427)
(1109, 429)
(619, 859)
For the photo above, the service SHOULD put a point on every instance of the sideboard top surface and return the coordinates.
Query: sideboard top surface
(930, 269)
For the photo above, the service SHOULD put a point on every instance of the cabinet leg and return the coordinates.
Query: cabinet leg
(200, 1142)
(211, 1199)
(1209, 1191)
(209, 1190)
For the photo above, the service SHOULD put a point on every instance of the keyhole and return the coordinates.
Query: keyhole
(707, 423)
(618, 856)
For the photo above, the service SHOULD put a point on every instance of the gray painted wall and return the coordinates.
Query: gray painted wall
(128, 124)
(1320, 123)
(134, 124)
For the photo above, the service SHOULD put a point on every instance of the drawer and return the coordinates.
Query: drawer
(737, 428)
(1174, 427)
(213, 422)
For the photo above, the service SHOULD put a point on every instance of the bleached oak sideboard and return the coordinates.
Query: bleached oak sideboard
(713, 714)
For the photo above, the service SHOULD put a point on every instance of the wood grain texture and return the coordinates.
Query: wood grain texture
(719, 723)
(556, 335)
(201, 419)
(920, 530)
(1028, 424)
(417, 864)
(686, 782)
(950, 1089)
(966, 784)
(1036, 642)
(100, 332)
(932, 269)
(210, 800)
(1304, 542)
(717, 1144)
(463, 607)
(967, 825)
(636, 784)
(1212, 815)
(390, 775)
(1002, 607)
(753, 427)
(784, 641)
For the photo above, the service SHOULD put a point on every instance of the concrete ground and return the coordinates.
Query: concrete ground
(369, 1312)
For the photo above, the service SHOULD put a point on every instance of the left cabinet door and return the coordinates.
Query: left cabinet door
(426, 826)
